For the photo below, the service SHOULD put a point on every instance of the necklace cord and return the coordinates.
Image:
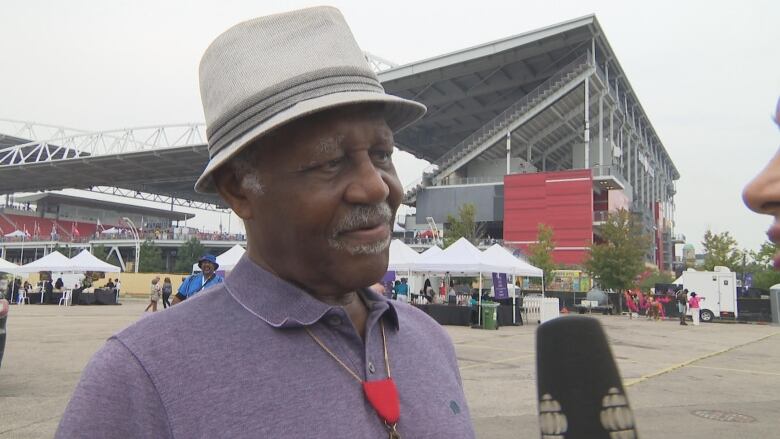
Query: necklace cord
(338, 360)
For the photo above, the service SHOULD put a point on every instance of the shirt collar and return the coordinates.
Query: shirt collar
(282, 304)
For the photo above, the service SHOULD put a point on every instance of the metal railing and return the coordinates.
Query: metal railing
(104, 143)
(534, 97)
(473, 180)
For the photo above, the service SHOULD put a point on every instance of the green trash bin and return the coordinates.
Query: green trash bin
(489, 315)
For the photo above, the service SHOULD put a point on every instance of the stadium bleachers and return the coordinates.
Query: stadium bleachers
(41, 228)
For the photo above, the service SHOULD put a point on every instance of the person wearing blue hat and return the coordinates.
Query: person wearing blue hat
(194, 284)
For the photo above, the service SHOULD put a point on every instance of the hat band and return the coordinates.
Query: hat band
(262, 107)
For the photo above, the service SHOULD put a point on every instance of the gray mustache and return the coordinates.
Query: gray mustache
(363, 216)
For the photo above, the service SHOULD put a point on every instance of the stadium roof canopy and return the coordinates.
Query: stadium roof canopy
(56, 199)
(163, 160)
(464, 90)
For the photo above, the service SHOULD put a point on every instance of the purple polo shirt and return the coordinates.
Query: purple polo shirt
(235, 362)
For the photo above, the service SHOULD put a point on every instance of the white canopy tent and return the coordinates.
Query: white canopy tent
(85, 261)
(8, 267)
(463, 257)
(501, 256)
(54, 261)
(230, 258)
(460, 257)
(402, 257)
(111, 231)
(17, 234)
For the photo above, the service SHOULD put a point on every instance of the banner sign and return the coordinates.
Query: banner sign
(499, 286)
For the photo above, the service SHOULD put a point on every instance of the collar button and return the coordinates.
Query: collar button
(334, 320)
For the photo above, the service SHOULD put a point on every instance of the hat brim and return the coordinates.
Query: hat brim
(200, 262)
(398, 112)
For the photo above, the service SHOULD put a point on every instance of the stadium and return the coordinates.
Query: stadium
(539, 127)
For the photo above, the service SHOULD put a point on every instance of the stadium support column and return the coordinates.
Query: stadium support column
(601, 133)
(586, 130)
(508, 152)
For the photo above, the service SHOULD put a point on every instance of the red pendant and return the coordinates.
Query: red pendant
(383, 396)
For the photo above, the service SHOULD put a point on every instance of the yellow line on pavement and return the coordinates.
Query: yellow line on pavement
(760, 372)
(486, 363)
(628, 383)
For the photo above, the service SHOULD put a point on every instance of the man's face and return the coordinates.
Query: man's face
(323, 218)
(207, 268)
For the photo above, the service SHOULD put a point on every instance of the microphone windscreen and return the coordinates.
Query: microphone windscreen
(579, 387)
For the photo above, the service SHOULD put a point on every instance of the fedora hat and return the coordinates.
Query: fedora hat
(267, 72)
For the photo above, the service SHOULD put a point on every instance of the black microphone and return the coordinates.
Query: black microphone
(580, 392)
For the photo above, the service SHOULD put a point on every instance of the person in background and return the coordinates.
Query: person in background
(59, 284)
(167, 290)
(452, 294)
(474, 306)
(682, 305)
(693, 303)
(110, 283)
(154, 294)
(196, 283)
(402, 291)
(762, 195)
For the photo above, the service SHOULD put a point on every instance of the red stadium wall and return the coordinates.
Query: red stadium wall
(562, 200)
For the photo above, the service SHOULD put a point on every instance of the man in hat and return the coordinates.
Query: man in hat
(196, 283)
(293, 343)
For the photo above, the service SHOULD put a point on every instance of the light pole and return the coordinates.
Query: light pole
(134, 230)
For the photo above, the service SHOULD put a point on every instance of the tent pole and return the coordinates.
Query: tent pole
(479, 308)
(542, 284)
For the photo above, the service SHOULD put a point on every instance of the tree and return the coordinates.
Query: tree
(540, 253)
(621, 257)
(762, 266)
(656, 277)
(465, 226)
(150, 257)
(99, 251)
(720, 249)
(188, 254)
(765, 255)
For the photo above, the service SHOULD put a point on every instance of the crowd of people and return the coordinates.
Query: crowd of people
(656, 306)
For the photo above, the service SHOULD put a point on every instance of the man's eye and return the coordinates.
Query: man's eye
(333, 164)
(382, 156)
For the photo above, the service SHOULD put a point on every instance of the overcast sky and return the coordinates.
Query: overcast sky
(707, 72)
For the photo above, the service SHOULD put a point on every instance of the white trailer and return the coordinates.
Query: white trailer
(718, 289)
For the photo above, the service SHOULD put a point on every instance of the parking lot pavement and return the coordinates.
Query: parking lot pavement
(715, 380)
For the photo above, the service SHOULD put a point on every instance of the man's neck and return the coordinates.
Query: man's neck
(354, 306)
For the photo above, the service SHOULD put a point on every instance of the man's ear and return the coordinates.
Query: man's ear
(232, 191)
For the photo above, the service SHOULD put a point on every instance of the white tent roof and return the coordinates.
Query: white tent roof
(460, 257)
(402, 257)
(16, 234)
(397, 228)
(226, 260)
(499, 255)
(54, 261)
(230, 258)
(111, 231)
(8, 267)
(85, 261)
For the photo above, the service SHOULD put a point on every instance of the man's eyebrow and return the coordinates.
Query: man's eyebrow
(325, 150)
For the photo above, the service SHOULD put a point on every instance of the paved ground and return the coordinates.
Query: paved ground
(674, 374)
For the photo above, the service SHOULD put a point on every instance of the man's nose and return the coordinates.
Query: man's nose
(762, 195)
(367, 185)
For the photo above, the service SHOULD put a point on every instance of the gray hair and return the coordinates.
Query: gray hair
(243, 166)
